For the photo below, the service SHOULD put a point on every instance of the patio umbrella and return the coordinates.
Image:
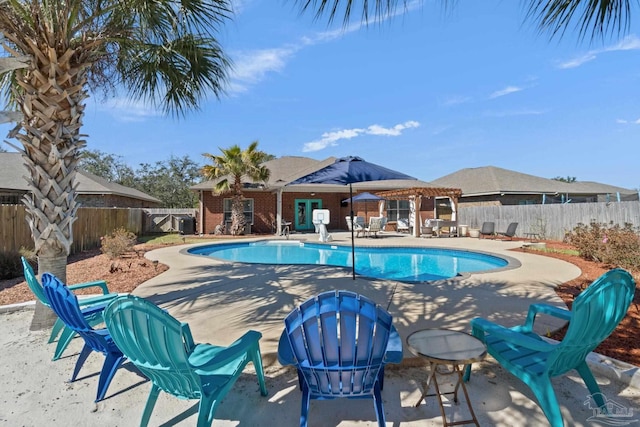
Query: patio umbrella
(364, 197)
(349, 170)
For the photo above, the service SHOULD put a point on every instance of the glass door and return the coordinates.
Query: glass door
(304, 210)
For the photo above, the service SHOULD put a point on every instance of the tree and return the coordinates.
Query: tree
(170, 181)
(164, 52)
(567, 179)
(108, 166)
(596, 17)
(229, 169)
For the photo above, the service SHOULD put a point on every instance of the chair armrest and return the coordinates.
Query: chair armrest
(547, 309)
(482, 326)
(285, 352)
(98, 284)
(93, 310)
(83, 302)
(206, 358)
(394, 347)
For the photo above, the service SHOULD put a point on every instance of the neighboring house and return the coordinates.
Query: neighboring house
(491, 185)
(92, 191)
(267, 204)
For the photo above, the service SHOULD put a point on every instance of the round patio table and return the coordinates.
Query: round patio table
(448, 353)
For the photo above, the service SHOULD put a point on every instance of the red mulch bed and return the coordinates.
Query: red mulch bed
(126, 274)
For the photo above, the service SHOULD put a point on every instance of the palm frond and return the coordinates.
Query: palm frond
(597, 18)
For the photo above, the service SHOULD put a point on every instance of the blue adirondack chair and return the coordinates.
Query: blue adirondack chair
(164, 351)
(339, 342)
(65, 304)
(59, 328)
(595, 314)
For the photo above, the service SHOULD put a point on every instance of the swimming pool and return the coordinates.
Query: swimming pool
(411, 264)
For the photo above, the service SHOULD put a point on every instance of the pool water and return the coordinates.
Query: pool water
(397, 263)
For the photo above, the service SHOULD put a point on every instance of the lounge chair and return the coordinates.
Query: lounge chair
(163, 349)
(488, 229)
(402, 225)
(374, 227)
(595, 313)
(339, 342)
(511, 231)
(357, 225)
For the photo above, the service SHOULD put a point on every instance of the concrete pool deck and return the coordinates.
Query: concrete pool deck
(222, 300)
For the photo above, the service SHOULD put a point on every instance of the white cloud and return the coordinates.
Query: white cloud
(631, 42)
(456, 100)
(331, 138)
(126, 110)
(523, 112)
(506, 91)
(251, 67)
(578, 61)
(622, 121)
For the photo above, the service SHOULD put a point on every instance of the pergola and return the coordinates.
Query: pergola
(417, 193)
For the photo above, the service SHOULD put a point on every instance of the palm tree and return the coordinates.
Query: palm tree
(596, 17)
(229, 168)
(164, 52)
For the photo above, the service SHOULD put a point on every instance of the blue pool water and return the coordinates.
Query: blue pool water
(396, 263)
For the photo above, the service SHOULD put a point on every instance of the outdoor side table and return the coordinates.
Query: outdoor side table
(448, 353)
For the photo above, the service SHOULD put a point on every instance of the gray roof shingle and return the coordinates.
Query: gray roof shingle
(13, 171)
(495, 180)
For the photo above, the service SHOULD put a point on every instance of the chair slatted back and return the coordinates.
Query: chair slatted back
(595, 313)
(156, 342)
(65, 304)
(339, 340)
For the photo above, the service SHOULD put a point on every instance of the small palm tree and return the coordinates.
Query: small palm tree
(164, 52)
(229, 169)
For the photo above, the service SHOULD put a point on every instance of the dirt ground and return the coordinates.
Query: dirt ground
(124, 275)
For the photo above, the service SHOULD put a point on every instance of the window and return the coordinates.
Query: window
(248, 210)
(397, 209)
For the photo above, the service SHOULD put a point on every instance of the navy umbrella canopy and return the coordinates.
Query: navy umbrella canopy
(349, 170)
(364, 197)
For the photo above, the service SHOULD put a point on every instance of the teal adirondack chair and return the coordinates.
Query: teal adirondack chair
(59, 328)
(595, 314)
(163, 349)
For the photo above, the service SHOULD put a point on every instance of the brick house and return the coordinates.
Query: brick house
(267, 204)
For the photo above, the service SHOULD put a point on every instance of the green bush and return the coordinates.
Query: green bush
(118, 243)
(10, 265)
(610, 244)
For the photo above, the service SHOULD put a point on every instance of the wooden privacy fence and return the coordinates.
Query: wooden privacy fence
(551, 221)
(90, 226)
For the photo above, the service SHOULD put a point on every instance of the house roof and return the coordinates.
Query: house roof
(283, 170)
(495, 180)
(12, 172)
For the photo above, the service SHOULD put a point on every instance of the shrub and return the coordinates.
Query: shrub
(118, 243)
(610, 244)
(10, 265)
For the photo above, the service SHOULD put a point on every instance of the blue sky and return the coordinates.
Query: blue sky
(427, 92)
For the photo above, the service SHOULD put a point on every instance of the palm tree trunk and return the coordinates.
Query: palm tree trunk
(43, 317)
(51, 101)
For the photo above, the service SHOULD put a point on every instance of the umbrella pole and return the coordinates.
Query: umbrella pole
(353, 248)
